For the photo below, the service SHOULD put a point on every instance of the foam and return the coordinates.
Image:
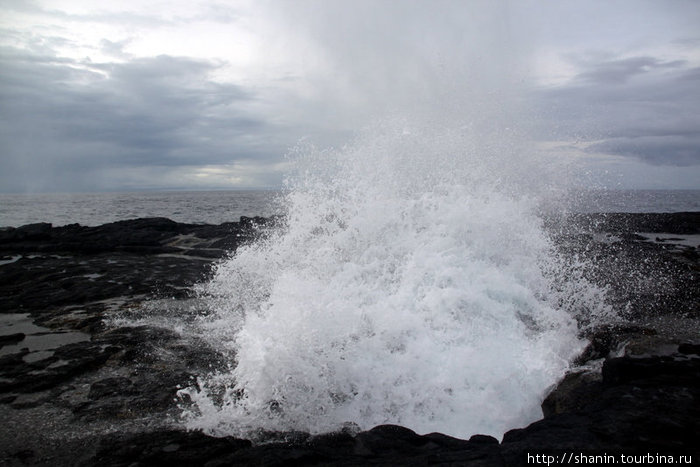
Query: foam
(413, 283)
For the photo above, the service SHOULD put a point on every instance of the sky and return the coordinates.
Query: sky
(133, 95)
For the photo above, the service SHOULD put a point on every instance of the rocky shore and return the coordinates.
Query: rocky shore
(79, 386)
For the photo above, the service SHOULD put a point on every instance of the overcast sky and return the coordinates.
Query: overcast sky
(209, 94)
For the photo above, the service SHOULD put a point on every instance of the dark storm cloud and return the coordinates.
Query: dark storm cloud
(638, 107)
(62, 115)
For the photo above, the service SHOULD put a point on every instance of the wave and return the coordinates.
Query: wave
(411, 282)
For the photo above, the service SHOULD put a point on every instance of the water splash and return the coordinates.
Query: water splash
(411, 283)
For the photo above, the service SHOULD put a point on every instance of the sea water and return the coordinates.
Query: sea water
(91, 209)
(411, 282)
(215, 207)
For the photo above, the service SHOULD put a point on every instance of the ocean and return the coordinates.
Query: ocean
(216, 207)
(91, 209)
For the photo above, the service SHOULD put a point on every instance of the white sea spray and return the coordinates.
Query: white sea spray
(411, 283)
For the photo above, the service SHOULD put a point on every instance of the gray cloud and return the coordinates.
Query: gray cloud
(215, 12)
(676, 150)
(332, 67)
(62, 115)
(31, 7)
(114, 49)
(620, 71)
(639, 107)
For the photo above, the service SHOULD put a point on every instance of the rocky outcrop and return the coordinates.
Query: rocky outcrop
(145, 236)
(78, 388)
(58, 266)
(639, 406)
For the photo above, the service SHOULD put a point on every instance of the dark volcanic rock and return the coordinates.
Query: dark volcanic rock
(139, 233)
(648, 404)
(644, 278)
(151, 390)
(142, 236)
(163, 448)
(67, 362)
(73, 264)
(605, 341)
(382, 445)
(573, 393)
(109, 387)
(689, 349)
(40, 231)
(637, 391)
(673, 370)
(641, 406)
(11, 338)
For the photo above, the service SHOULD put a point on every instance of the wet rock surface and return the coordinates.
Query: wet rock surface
(79, 386)
(73, 264)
